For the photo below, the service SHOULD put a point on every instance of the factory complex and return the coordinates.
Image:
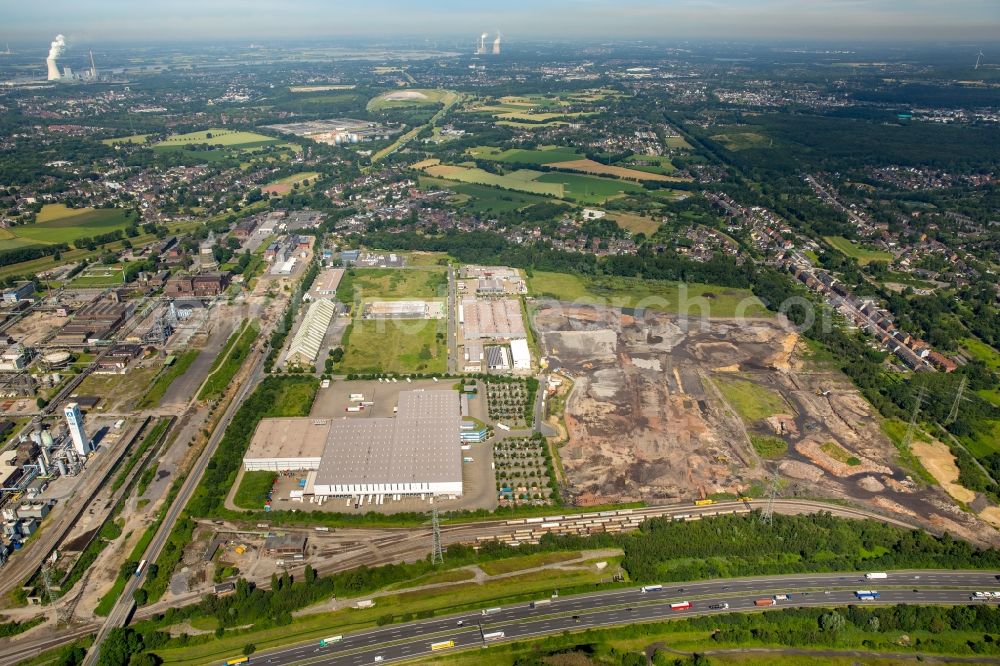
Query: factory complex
(416, 452)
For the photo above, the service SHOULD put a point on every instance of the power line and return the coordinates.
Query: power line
(437, 555)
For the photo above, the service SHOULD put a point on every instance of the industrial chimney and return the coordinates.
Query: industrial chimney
(496, 44)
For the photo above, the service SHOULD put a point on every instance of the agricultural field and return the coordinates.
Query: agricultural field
(482, 198)
(217, 137)
(134, 138)
(411, 97)
(513, 155)
(864, 255)
(375, 346)
(635, 224)
(56, 223)
(578, 188)
(312, 89)
(598, 169)
(654, 295)
(393, 283)
(285, 185)
(588, 189)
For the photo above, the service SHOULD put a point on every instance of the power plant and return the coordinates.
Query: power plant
(55, 51)
(483, 49)
(67, 74)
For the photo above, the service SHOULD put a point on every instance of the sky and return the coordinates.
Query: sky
(752, 20)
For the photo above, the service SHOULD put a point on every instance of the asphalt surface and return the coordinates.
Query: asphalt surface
(626, 606)
(125, 606)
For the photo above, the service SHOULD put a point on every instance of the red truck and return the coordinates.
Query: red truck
(764, 602)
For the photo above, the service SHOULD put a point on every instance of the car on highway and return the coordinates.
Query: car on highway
(576, 618)
(378, 658)
(460, 623)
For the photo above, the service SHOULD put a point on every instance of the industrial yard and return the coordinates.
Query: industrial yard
(647, 420)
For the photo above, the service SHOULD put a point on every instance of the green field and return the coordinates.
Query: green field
(482, 198)
(394, 283)
(253, 489)
(851, 249)
(588, 189)
(651, 164)
(100, 276)
(217, 137)
(525, 156)
(134, 138)
(982, 351)
(652, 294)
(575, 187)
(431, 97)
(742, 140)
(393, 346)
(56, 223)
(752, 402)
(769, 447)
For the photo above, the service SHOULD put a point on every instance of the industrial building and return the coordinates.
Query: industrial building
(416, 453)
(309, 338)
(326, 283)
(399, 310)
(74, 421)
(495, 319)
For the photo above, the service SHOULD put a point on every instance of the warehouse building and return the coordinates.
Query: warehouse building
(416, 453)
(309, 338)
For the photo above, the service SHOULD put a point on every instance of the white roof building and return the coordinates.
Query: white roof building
(520, 356)
(309, 338)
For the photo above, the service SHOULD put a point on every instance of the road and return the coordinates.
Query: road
(626, 606)
(122, 612)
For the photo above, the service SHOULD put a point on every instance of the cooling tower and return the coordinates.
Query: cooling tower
(53, 69)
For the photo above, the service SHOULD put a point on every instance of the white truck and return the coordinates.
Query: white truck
(876, 575)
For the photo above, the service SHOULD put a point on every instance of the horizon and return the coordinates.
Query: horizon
(221, 21)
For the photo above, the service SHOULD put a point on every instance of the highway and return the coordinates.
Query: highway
(124, 607)
(519, 621)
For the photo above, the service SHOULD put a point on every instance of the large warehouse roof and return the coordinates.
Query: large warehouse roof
(420, 445)
(293, 437)
(308, 339)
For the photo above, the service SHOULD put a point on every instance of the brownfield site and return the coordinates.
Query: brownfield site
(665, 411)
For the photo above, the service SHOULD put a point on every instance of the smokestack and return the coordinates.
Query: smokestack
(482, 43)
(55, 50)
(496, 44)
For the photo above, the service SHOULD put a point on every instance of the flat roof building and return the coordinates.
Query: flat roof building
(418, 452)
(281, 444)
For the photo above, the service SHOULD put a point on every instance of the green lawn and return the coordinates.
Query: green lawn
(56, 223)
(525, 180)
(393, 346)
(862, 254)
(651, 294)
(752, 401)
(394, 283)
(100, 276)
(252, 492)
(217, 137)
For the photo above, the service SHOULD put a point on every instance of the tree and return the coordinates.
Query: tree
(832, 622)
(249, 649)
(140, 596)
